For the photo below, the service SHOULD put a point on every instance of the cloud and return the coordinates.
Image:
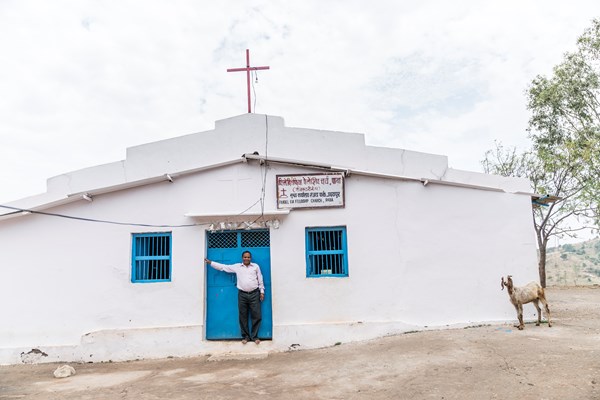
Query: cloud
(84, 80)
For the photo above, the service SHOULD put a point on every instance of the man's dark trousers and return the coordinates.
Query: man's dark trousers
(249, 302)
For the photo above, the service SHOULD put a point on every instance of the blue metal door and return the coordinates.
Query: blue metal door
(221, 303)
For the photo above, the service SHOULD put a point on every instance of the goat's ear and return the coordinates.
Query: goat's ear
(502, 282)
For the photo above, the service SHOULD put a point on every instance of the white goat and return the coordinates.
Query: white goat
(532, 292)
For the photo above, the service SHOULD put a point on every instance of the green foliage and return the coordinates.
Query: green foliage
(564, 160)
(565, 124)
(569, 248)
(506, 161)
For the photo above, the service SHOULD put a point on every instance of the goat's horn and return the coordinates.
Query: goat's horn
(502, 282)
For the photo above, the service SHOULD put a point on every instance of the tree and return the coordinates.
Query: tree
(565, 115)
(563, 217)
(564, 160)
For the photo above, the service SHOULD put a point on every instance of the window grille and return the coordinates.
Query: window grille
(233, 239)
(326, 252)
(255, 239)
(222, 240)
(151, 257)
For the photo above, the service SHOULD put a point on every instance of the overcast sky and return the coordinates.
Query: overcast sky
(80, 81)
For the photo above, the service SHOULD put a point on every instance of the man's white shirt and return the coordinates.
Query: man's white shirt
(248, 277)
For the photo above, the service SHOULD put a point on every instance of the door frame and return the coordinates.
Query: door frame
(220, 290)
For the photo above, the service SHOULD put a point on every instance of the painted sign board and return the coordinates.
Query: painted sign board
(310, 191)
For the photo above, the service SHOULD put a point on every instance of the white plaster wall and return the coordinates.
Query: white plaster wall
(508, 184)
(87, 178)
(419, 256)
(247, 133)
(404, 163)
(72, 279)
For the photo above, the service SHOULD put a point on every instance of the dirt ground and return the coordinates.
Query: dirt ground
(486, 362)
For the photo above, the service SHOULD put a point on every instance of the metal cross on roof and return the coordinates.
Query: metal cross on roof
(247, 69)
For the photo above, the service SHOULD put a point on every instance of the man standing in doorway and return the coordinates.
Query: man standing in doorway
(251, 292)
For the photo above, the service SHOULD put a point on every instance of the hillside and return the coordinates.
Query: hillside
(574, 264)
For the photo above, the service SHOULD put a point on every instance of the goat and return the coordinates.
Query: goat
(532, 292)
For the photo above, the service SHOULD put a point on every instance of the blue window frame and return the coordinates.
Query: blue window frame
(326, 252)
(151, 257)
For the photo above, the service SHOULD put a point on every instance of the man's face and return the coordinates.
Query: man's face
(246, 258)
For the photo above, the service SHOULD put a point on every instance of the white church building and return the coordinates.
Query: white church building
(354, 241)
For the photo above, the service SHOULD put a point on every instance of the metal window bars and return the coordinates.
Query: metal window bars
(326, 252)
(151, 257)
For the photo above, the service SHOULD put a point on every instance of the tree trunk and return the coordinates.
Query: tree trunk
(542, 241)
(542, 266)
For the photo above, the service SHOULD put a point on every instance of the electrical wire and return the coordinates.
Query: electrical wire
(264, 183)
(253, 89)
(261, 199)
(242, 213)
(99, 220)
(263, 172)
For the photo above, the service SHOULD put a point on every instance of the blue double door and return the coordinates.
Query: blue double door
(226, 247)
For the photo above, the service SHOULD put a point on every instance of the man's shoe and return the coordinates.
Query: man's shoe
(244, 341)
(257, 341)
